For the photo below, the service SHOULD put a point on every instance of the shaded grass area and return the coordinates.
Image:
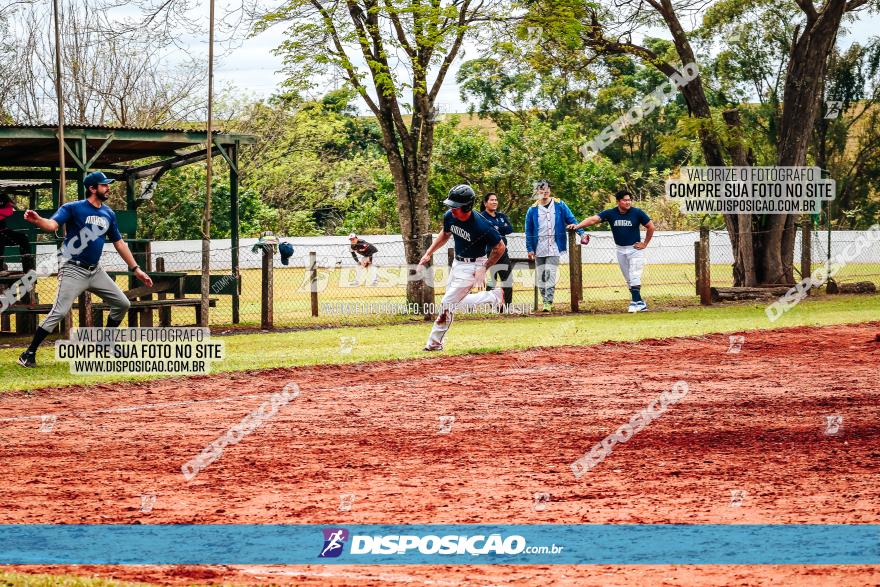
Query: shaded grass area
(26, 580)
(356, 344)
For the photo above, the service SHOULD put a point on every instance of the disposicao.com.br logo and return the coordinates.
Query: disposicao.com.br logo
(430, 544)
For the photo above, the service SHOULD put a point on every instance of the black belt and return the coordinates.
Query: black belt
(83, 265)
(465, 259)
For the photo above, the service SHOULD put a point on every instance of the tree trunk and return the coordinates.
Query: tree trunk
(807, 66)
(411, 189)
(739, 226)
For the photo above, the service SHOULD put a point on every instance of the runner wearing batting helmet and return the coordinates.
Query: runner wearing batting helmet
(478, 246)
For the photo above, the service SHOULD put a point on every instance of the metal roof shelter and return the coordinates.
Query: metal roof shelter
(29, 154)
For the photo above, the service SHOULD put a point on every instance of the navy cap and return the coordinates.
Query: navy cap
(286, 250)
(97, 178)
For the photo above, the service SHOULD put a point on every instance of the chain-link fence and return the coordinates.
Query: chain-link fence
(323, 285)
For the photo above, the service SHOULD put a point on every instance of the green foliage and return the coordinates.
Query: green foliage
(519, 156)
(175, 210)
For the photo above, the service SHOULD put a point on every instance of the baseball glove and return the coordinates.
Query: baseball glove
(585, 240)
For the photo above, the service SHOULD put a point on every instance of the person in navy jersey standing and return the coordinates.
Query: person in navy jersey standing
(502, 270)
(89, 224)
(626, 221)
(478, 246)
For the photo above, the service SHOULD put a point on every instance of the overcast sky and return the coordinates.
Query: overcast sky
(253, 68)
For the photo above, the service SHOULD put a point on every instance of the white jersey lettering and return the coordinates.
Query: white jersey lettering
(459, 231)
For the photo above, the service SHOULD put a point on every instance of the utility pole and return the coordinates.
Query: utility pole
(206, 217)
(59, 94)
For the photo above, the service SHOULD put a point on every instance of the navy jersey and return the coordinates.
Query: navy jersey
(501, 223)
(102, 226)
(474, 237)
(625, 227)
(363, 248)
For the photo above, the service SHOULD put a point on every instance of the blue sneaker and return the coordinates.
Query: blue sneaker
(641, 306)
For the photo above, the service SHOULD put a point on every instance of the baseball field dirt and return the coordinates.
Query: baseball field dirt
(785, 431)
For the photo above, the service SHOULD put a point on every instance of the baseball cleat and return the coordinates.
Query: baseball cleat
(27, 359)
(633, 307)
(499, 295)
(642, 307)
(547, 307)
(430, 348)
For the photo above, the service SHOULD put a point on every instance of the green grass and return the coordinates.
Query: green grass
(26, 580)
(663, 285)
(287, 349)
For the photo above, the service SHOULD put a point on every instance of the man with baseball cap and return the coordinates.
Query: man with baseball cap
(366, 250)
(478, 246)
(89, 223)
(546, 238)
(625, 221)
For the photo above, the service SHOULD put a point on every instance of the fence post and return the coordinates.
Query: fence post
(705, 274)
(574, 271)
(697, 277)
(313, 281)
(450, 253)
(533, 265)
(806, 248)
(164, 313)
(429, 301)
(267, 297)
(85, 310)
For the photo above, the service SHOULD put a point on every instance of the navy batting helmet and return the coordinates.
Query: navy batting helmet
(461, 196)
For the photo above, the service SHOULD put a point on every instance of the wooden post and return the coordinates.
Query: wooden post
(164, 313)
(85, 310)
(313, 281)
(705, 275)
(806, 248)
(533, 265)
(235, 229)
(697, 277)
(267, 298)
(574, 271)
(427, 300)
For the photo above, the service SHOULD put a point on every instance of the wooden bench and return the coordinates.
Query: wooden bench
(141, 312)
(142, 308)
(22, 326)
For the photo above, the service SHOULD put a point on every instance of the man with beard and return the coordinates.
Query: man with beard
(89, 223)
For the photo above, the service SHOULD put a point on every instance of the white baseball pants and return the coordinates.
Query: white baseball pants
(462, 278)
(632, 263)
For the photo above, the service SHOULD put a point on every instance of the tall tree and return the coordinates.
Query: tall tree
(763, 246)
(422, 37)
(107, 78)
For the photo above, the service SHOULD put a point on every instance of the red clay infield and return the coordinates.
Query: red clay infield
(753, 422)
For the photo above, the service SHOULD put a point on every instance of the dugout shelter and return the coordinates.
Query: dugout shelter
(135, 157)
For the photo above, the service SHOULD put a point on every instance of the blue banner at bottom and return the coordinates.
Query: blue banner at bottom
(445, 544)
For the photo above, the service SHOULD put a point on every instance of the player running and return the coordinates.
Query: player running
(478, 246)
(625, 221)
(82, 271)
(366, 250)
